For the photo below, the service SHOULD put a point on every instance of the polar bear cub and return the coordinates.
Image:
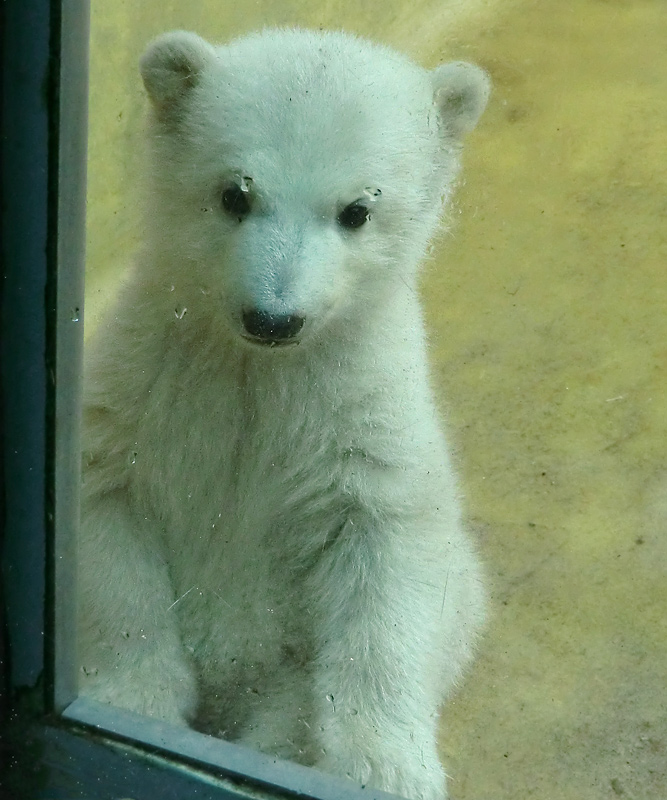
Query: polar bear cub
(271, 546)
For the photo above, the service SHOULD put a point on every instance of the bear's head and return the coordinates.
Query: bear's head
(298, 176)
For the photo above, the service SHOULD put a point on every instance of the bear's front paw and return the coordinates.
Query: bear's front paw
(413, 775)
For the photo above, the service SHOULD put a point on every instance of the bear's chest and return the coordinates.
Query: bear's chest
(217, 464)
(233, 465)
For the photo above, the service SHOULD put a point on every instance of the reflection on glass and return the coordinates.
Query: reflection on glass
(271, 548)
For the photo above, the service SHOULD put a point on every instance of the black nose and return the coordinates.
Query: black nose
(272, 328)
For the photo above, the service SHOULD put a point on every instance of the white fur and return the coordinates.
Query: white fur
(271, 542)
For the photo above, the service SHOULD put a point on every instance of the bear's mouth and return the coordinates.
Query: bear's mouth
(269, 343)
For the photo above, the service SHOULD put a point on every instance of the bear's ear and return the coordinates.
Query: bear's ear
(460, 91)
(172, 65)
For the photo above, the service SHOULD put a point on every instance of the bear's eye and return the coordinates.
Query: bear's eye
(353, 216)
(236, 201)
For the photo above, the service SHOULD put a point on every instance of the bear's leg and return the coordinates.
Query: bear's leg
(376, 697)
(130, 652)
(281, 721)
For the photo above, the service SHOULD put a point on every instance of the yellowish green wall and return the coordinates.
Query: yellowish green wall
(547, 308)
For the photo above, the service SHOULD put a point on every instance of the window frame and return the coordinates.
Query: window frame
(55, 744)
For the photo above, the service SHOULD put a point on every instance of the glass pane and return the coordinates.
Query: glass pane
(272, 548)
